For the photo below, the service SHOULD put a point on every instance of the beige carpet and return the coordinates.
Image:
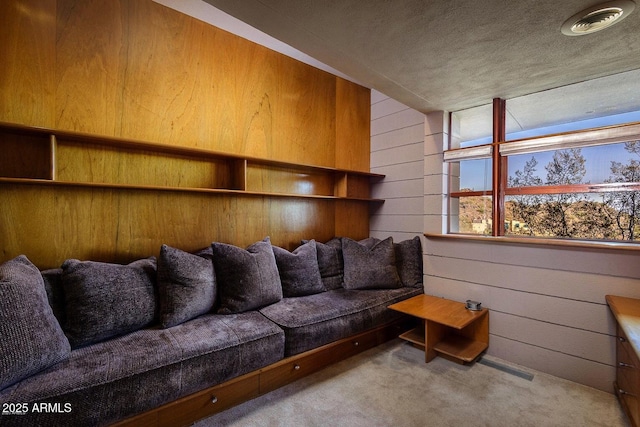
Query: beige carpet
(392, 386)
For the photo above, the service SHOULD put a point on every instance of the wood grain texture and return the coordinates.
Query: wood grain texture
(141, 71)
(124, 225)
(351, 219)
(215, 399)
(358, 186)
(28, 58)
(288, 180)
(627, 314)
(627, 384)
(103, 164)
(91, 54)
(449, 328)
(439, 310)
(353, 118)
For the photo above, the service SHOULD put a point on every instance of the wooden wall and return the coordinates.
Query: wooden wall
(135, 69)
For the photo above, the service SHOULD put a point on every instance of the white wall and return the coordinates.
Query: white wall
(547, 303)
(397, 141)
(548, 308)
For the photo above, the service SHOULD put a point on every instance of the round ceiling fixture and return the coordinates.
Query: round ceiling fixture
(597, 18)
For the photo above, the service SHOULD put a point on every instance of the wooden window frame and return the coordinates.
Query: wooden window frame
(499, 189)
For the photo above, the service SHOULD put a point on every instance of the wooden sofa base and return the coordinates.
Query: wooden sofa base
(223, 396)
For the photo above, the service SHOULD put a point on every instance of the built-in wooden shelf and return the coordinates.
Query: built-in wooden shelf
(40, 156)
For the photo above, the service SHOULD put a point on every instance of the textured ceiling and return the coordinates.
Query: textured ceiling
(449, 54)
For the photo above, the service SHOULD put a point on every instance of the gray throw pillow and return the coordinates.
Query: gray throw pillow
(330, 263)
(32, 339)
(186, 286)
(299, 271)
(409, 262)
(106, 300)
(55, 294)
(247, 279)
(408, 259)
(370, 268)
(369, 242)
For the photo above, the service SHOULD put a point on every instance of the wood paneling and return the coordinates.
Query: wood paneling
(352, 219)
(206, 402)
(91, 55)
(28, 58)
(288, 180)
(358, 186)
(141, 71)
(353, 115)
(102, 164)
(51, 224)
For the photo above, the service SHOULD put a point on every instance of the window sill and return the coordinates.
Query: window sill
(533, 241)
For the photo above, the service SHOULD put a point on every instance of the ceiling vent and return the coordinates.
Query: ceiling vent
(597, 18)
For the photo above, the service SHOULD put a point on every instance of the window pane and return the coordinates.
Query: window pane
(591, 216)
(589, 165)
(475, 175)
(599, 102)
(576, 189)
(470, 214)
(474, 215)
(472, 127)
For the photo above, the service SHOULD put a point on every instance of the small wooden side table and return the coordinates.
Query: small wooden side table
(449, 329)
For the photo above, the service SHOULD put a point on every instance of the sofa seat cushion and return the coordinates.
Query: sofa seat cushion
(319, 319)
(118, 378)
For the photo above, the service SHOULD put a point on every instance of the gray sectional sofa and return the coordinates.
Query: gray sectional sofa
(94, 343)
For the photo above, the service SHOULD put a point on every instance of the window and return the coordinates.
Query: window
(583, 183)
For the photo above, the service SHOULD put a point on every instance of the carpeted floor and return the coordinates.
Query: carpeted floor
(392, 386)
